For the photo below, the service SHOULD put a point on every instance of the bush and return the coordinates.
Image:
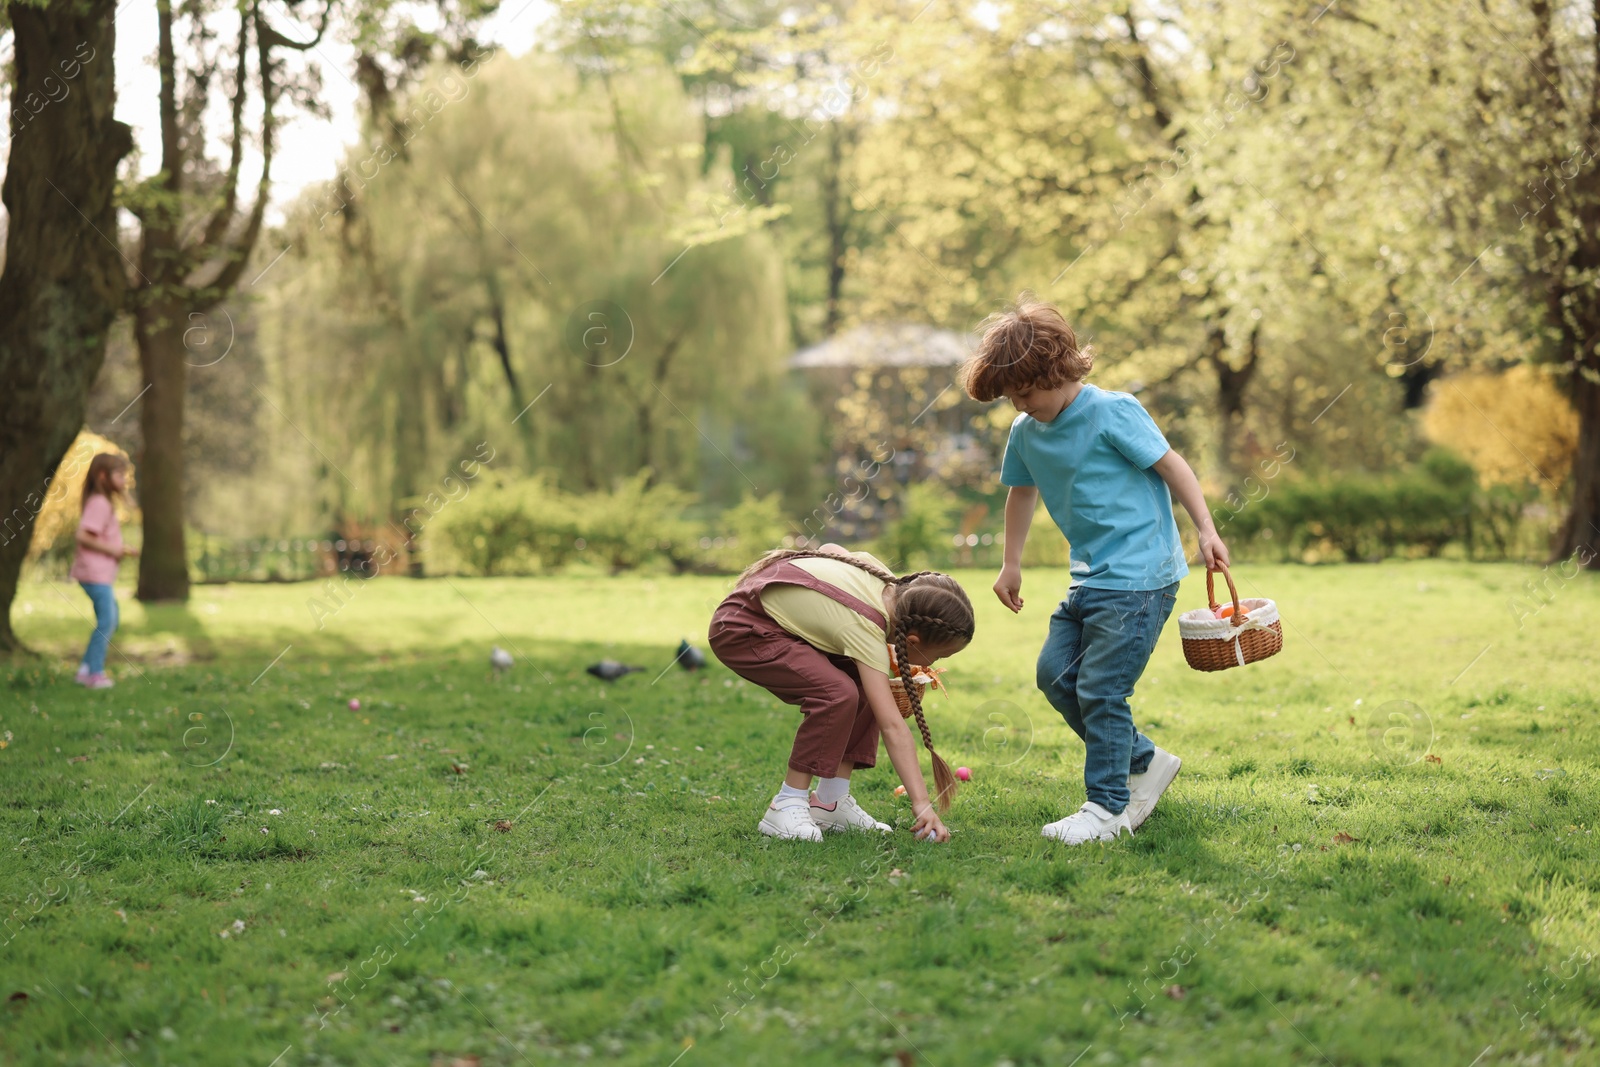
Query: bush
(508, 526)
(750, 528)
(524, 525)
(927, 513)
(1513, 426)
(1366, 516)
(636, 521)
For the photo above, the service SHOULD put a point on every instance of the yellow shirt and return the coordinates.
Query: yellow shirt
(824, 623)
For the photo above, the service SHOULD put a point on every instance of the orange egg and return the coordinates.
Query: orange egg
(1225, 612)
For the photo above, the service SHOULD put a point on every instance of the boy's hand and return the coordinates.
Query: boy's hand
(928, 823)
(1008, 587)
(1213, 551)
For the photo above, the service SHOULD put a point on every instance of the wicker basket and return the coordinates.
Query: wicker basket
(901, 699)
(922, 676)
(1253, 633)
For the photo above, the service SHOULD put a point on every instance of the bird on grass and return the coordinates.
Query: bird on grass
(609, 670)
(689, 657)
(500, 659)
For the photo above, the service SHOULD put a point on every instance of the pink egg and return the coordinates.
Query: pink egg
(355, 705)
(964, 774)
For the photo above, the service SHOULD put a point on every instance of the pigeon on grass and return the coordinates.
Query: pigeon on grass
(609, 670)
(689, 657)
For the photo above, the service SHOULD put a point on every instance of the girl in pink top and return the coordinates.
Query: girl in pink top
(100, 549)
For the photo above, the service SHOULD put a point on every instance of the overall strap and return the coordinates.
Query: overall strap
(786, 573)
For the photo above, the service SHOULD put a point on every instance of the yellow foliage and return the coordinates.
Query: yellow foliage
(61, 505)
(1505, 425)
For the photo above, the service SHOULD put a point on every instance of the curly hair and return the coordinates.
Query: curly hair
(1029, 345)
(926, 603)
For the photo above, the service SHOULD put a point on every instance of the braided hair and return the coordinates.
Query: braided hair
(931, 605)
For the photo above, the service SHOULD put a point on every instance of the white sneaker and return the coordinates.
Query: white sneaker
(844, 814)
(1089, 823)
(1146, 788)
(792, 822)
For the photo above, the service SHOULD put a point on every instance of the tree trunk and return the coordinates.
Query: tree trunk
(1580, 533)
(1232, 382)
(163, 560)
(63, 281)
(835, 206)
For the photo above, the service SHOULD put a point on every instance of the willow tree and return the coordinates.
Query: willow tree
(63, 279)
(535, 271)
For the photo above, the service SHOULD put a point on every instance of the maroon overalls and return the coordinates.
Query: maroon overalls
(838, 724)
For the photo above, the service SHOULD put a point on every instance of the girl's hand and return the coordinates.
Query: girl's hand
(928, 824)
(126, 552)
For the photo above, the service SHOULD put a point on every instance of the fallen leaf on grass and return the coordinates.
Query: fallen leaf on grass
(336, 976)
(18, 996)
(1431, 758)
(79, 759)
(904, 1058)
(458, 768)
(1176, 992)
(503, 825)
(1342, 838)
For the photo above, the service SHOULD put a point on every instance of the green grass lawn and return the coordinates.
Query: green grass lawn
(218, 862)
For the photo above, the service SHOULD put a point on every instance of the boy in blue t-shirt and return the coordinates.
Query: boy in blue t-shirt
(1108, 479)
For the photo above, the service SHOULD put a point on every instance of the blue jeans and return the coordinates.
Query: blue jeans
(105, 617)
(1099, 643)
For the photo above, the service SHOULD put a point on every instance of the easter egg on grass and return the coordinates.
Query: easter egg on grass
(963, 773)
(355, 705)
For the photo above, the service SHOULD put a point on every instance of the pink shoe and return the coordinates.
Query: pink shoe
(99, 681)
(82, 677)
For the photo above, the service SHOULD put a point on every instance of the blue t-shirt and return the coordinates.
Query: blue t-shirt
(1092, 466)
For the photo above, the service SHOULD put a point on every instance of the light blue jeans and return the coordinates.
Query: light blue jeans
(1099, 643)
(105, 617)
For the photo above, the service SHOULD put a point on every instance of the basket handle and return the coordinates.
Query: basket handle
(1211, 592)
